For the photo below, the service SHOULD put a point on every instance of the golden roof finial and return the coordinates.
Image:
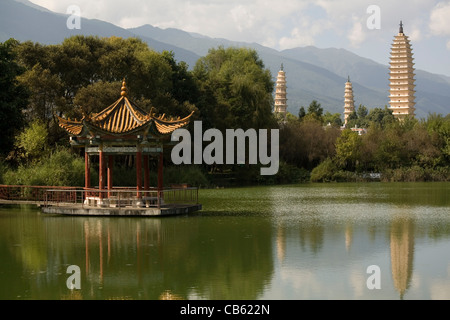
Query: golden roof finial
(124, 89)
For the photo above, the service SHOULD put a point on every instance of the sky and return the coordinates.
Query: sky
(366, 28)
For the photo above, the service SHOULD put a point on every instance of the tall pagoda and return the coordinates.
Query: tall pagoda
(349, 101)
(280, 94)
(402, 77)
(122, 129)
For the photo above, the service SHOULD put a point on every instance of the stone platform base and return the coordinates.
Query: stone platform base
(167, 210)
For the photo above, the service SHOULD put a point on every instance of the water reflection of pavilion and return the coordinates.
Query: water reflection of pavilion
(159, 259)
(104, 241)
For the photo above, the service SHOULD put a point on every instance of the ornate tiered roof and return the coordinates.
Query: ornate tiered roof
(123, 117)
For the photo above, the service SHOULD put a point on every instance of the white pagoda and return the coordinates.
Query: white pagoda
(349, 101)
(402, 77)
(280, 94)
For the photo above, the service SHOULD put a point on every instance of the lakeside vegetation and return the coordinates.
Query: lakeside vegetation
(228, 89)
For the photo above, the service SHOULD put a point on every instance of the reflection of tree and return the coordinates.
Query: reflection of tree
(312, 233)
(29, 264)
(233, 260)
(143, 258)
(402, 253)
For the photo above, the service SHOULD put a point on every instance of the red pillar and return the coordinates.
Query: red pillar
(101, 174)
(139, 172)
(87, 174)
(87, 171)
(160, 172)
(110, 174)
(146, 174)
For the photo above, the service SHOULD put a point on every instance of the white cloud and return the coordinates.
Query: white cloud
(439, 288)
(243, 18)
(439, 25)
(439, 19)
(297, 38)
(356, 35)
(415, 35)
(282, 24)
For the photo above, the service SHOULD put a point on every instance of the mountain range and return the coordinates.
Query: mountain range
(312, 73)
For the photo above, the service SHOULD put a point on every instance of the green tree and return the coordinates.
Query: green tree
(46, 94)
(95, 97)
(81, 72)
(301, 113)
(13, 96)
(184, 86)
(358, 118)
(332, 119)
(438, 128)
(315, 112)
(419, 147)
(382, 117)
(362, 112)
(348, 150)
(325, 171)
(305, 144)
(390, 153)
(352, 120)
(241, 86)
(33, 140)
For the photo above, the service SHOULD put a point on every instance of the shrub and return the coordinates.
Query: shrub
(3, 169)
(62, 168)
(324, 172)
(288, 173)
(192, 175)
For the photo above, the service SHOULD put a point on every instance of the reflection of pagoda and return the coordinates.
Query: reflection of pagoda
(402, 77)
(122, 129)
(281, 243)
(348, 236)
(402, 253)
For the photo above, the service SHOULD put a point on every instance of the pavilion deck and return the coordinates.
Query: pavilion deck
(94, 202)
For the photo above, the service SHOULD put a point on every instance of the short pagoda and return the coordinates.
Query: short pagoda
(280, 94)
(122, 129)
(349, 101)
(401, 78)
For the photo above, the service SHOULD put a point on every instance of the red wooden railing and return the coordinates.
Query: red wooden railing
(33, 194)
(116, 197)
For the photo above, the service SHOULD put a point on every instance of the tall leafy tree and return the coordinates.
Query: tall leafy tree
(348, 149)
(33, 141)
(13, 96)
(380, 116)
(241, 86)
(80, 73)
(315, 109)
(301, 113)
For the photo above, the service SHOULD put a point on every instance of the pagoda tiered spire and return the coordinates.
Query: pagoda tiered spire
(280, 94)
(349, 101)
(401, 78)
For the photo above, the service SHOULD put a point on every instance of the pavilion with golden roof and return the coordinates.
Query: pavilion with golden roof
(122, 129)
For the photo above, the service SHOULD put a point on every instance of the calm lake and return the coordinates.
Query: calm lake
(296, 242)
